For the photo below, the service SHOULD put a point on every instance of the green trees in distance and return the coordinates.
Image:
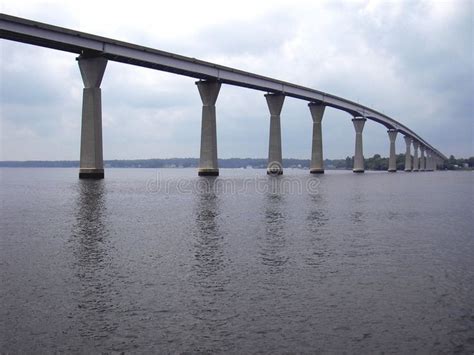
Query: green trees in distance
(377, 162)
(452, 163)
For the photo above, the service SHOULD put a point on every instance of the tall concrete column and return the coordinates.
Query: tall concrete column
(392, 160)
(415, 156)
(428, 164)
(408, 153)
(91, 164)
(358, 155)
(422, 158)
(317, 163)
(275, 162)
(209, 90)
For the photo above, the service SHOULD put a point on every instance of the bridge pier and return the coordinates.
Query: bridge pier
(433, 161)
(429, 160)
(91, 164)
(275, 162)
(358, 155)
(422, 158)
(408, 153)
(415, 156)
(208, 90)
(317, 162)
(392, 160)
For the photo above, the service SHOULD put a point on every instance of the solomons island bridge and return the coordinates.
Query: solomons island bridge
(94, 53)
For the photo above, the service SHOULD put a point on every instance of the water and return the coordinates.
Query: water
(244, 263)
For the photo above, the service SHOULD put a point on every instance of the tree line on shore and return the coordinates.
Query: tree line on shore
(376, 162)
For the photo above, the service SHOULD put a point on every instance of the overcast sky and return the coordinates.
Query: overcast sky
(412, 60)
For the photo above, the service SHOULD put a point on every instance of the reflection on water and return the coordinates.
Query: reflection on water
(273, 242)
(208, 251)
(318, 235)
(89, 231)
(358, 236)
(209, 306)
(357, 203)
(317, 215)
(90, 249)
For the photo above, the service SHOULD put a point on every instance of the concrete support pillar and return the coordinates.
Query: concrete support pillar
(422, 158)
(415, 156)
(392, 160)
(358, 155)
(209, 90)
(91, 164)
(408, 153)
(317, 162)
(275, 162)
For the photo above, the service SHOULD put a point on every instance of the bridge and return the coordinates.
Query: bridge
(95, 51)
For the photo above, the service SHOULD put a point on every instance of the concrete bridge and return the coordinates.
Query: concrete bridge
(95, 51)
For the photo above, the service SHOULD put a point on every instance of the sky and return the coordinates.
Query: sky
(412, 60)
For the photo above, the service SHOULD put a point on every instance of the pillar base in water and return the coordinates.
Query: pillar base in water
(316, 171)
(91, 173)
(358, 170)
(408, 170)
(392, 171)
(208, 172)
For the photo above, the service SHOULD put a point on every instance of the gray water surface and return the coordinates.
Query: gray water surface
(161, 260)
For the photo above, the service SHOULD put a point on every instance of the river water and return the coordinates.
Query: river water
(164, 261)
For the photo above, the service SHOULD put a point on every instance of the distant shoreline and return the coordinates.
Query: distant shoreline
(256, 163)
(374, 163)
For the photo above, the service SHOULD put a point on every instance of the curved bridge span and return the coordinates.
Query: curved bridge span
(94, 52)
